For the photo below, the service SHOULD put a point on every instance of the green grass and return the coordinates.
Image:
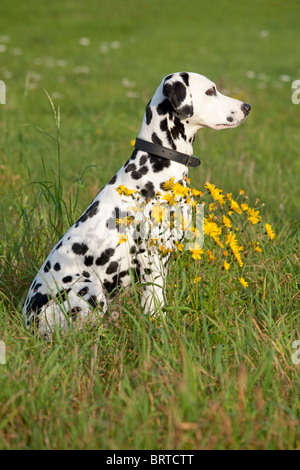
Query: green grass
(218, 373)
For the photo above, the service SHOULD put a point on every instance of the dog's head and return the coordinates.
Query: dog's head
(196, 98)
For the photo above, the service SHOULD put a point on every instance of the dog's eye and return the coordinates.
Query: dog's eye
(211, 92)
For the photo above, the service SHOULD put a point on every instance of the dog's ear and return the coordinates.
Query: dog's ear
(177, 89)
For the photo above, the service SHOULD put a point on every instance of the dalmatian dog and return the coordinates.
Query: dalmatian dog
(89, 264)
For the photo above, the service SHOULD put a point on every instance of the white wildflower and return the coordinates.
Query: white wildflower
(83, 69)
(84, 41)
(128, 84)
(5, 38)
(104, 48)
(115, 45)
(132, 94)
(285, 78)
(250, 74)
(264, 33)
(17, 51)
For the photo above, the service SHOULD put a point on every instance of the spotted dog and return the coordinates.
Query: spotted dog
(89, 264)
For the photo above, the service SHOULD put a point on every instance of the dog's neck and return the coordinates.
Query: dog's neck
(161, 125)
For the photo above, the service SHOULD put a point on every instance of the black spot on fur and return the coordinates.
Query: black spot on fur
(176, 92)
(59, 246)
(113, 180)
(36, 287)
(164, 127)
(159, 163)
(185, 77)
(164, 107)
(187, 110)
(136, 175)
(111, 286)
(67, 279)
(92, 300)
(130, 167)
(112, 268)
(132, 250)
(79, 248)
(38, 301)
(148, 190)
(47, 267)
(90, 212)
(123, 274)
(83, 291)
(155, 139)
(56, 267)
(86, 274)
(88, 260)
(62, 295)
(178, 129)
(149, 114)
(104, 257)
(143, 159)
(73, 313)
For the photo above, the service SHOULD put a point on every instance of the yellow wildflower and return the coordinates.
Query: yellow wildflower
(195, 192)
(164, 250)
(196, 251)
(212, 229)
(217, 194)
(132, 142)
(270, 232)
(169, 198)
(243, 282)
(245, 207)
(152, 241)
(123, 238)
(253, 216)
(226, 265)
(226, 221)
(197, 279)
(179, 246)
(232, 241)
(256, 247)
(242, 191)
(211, 257)
(180, 190)
(124, 222)
(169, 184)
(158, 213)
(235, 206)
(122, 190)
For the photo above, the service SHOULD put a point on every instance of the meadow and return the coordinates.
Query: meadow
(222, 370)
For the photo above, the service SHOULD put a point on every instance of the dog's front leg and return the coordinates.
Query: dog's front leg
(153, 293)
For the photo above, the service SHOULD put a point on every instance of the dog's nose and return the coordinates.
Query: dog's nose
(246, 108)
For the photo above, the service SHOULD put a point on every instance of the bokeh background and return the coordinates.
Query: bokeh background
(102, 61)
(218, 373)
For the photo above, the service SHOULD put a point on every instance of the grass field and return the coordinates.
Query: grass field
(219, 372)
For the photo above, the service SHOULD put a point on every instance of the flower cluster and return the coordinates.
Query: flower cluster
(175, 223)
